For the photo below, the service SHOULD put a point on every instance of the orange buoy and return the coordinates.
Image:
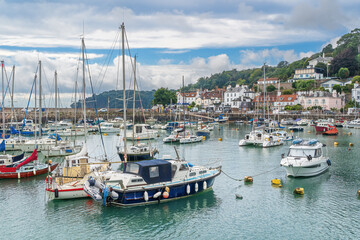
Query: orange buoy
(165, 194)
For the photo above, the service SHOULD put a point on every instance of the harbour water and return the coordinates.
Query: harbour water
(328, 210)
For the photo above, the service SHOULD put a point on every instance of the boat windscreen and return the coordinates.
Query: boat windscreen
(301, 152)
(132, 168)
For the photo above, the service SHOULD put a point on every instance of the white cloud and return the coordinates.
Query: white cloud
(271, 56)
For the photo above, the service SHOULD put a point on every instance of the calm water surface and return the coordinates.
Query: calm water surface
(328, 210)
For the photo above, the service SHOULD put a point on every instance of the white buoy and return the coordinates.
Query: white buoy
(204, 185)
(156, 195)
(18, 175)
(34, 171)
(188, 189)
(196, 187)
(146, 196)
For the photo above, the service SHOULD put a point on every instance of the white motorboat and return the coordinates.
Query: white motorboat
(107, 127)
(190, 139)
(353, 124)
(142, 132)
(306, 158)
(259, 137)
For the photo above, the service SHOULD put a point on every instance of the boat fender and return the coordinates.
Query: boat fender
(165, 194)
(328, 162)
(114, 195)
(56, 193)
(167, 189)
(309, 157)
(196, 187)
(34, 171)
(204, 185)
(146, 196)
(49, 179)
(188, 189)
(105, 195)
(156, 195)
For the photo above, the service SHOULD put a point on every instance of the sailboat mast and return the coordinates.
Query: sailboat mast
(3, 98)
(83, 58)
(35, 115)
(56, 107)
(134, 100)
(264, 95)
(183, 103)
(12, 94)
(40, 105)
(124, 91)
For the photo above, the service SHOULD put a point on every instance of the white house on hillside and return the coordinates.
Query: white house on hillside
(234, 96)
(355, 93)
(187, 98)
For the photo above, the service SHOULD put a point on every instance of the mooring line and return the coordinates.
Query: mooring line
(235, 179)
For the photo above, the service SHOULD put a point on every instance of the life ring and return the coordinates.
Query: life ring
(49, 179)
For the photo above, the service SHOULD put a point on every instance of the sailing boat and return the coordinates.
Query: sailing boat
(67, 182)
(149, 181)
(140, 151)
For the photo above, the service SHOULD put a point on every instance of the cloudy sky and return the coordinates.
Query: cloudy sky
(170, 38)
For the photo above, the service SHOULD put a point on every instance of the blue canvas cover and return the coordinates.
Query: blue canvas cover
(2, 146)
(154, 171)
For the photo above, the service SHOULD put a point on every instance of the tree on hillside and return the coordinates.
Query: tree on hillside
(164, 96)
(345, 59)
(356, 79)
(348, 41)
(283, 64)
(337, 88)
(304, 85)
(343, 73)
(321, 65)
(270, 88)
(327, 49)
(287, 92)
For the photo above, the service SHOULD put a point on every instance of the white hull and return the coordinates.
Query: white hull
(306, 171)
(68, 194)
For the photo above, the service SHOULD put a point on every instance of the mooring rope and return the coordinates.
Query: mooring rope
(235, 179)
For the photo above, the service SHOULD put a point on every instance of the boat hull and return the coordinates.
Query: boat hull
(25, 174)
(62, 194)
(133, 198)
(306, 171)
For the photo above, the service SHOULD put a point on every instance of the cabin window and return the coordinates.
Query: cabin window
(173, 170)
(183, 167)
(136, 180)
(2, 162)
(301, 152)
(192, 174)
(153, 172)
(318, 153)
(202, 172)
(138, 129)
(132, 168)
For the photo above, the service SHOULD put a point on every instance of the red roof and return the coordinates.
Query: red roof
(287, 98)
(189, 94)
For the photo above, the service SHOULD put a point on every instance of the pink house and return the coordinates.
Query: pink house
(323, 99)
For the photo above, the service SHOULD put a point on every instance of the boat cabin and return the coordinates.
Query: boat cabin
(311, 148)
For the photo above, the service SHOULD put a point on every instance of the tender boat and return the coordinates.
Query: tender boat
(305, 158)
(26, 168)
(323, 126)
(151, 181)
(296, 128)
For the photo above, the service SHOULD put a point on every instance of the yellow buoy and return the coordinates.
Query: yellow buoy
(203, 138)
(309, 131)
(291, 131)
(248, 179)
(351, 144)
(350, 133)
(276, 181)
(299, 191)
(50, 161)
(220, 139)
(336, 144)
(358, 192)
(118, 134)
(105, 134)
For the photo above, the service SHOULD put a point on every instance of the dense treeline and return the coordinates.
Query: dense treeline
(114, 98)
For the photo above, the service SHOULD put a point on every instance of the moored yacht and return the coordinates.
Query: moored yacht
(305, 158)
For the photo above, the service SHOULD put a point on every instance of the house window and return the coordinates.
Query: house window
(323, 101)
(290, 98)
(316, 101)
(309, 101)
